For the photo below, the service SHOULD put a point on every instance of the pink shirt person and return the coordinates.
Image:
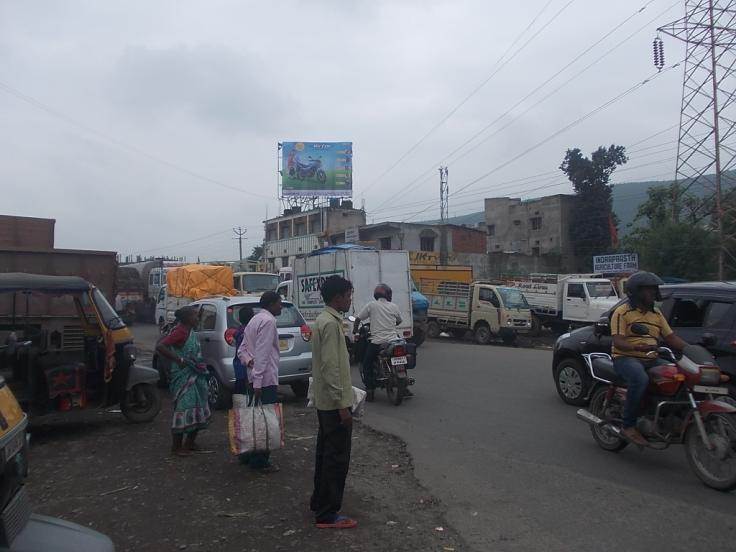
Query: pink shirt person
(261, 345)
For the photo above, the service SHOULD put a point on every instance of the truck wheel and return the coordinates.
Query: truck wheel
(536, 326)
(433, 329)
(483, 334)
(419, 336)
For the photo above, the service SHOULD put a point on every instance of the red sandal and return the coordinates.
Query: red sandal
(340, 522)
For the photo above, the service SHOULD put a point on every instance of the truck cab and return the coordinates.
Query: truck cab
(587, 299)
(503, 310)
(255, 283)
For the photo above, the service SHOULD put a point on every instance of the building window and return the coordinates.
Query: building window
(536, 223)
(491, 230)
(517, 222)
(300, 229)
(535, 251)
(426, 244)
(385, 243)
(315, 224)
(284, 261)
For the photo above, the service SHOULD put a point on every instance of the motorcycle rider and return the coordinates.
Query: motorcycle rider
(630, 358)
(384, 316)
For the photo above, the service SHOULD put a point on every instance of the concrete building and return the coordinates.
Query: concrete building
(297, 232)
(530, 236)
(464, 245)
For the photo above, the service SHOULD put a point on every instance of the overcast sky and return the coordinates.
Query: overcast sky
(152, 103)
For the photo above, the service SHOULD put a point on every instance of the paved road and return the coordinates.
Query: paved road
(518, 471)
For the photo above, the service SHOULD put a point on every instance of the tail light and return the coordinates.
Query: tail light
(306, 332)
(399, 351)
(407, 333)
(230, 336)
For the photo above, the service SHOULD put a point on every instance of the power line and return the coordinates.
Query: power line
(413, 183)
(185, 242)
(500, 64)
(120, 144)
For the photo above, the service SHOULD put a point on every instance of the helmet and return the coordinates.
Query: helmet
(642, 279)
(383, 291)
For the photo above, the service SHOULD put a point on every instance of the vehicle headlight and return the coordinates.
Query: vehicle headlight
(130, 352)
(509, 322)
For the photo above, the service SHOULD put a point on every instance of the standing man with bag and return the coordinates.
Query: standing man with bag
(261, 341)
(333, 397)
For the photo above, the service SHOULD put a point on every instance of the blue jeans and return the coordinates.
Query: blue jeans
(634, 373)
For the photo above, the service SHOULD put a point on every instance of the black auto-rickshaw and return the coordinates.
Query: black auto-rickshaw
(67, 349)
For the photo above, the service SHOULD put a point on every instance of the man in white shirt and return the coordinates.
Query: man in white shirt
(384, 317)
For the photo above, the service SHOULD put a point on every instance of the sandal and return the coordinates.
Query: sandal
(340, 522)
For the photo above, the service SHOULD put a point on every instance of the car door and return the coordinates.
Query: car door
(206, 333)
(575, 305)
(487, 308)
(694, 316)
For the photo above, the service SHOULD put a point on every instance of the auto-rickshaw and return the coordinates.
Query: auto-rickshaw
(20, 529)
(67, 349)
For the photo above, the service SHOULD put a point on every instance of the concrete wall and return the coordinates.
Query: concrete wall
(514, 229)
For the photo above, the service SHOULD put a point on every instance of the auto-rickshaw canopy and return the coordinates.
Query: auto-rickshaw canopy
(43, 283)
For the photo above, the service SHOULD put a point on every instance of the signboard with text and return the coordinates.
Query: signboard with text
(616, 264)
(317, 169)
(309, 289)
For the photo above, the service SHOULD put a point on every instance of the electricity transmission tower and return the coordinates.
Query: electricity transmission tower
(708, 111)
(444, 195)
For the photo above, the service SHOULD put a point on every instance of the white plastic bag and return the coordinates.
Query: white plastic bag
(255, 428)
(358, 406)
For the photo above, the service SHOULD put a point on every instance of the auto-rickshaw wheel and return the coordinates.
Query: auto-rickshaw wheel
(141, 404)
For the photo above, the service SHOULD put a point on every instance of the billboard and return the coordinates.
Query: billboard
(317, 169)
(615, 264)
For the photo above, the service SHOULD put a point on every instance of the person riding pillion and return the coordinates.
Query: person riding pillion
(384, 317)
(633, 354)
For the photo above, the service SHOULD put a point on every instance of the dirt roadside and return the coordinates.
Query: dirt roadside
(119, 479)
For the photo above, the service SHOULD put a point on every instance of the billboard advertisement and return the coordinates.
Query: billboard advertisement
(317, 169)
(615, 264)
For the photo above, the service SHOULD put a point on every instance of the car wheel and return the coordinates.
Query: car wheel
(219, 396)
(300, 388)
(572, 382)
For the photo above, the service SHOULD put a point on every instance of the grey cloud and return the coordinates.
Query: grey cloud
(213, 84)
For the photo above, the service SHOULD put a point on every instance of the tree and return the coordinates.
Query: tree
(256, 254)
(593, 225)
(673, 239)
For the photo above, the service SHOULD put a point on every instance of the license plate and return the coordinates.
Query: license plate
(15, 444)
(398, 361)
(283, 344)
(710, 390)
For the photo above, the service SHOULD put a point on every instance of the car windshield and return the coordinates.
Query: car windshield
(513, 298)
(601, 289)
(289, 317)
(111, 318)
(254, 283)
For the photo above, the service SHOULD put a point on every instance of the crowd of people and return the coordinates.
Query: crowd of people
(256, 368)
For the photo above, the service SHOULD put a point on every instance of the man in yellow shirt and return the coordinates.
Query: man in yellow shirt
(632, 354)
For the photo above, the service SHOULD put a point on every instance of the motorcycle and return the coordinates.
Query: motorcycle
(685, 404)
(391, 366)
(310, 169)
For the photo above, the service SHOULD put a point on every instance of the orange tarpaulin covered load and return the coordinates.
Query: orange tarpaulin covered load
(198, 281)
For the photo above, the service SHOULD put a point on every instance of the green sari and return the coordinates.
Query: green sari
(188, 386)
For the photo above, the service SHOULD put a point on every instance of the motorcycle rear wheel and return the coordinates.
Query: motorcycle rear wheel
(716, 468)
(395, 389)
(603, 435)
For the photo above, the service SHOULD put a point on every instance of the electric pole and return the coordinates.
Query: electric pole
(240, 233)
(708, 110)
(444, 193)
(444, 214)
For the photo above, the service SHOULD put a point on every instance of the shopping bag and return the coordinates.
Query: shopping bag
(255, 428)
(358, 406)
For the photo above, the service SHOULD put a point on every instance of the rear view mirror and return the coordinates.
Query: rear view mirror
(708, 340)
(602, 327)
(639, 329)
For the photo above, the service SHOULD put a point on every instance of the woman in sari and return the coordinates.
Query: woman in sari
(187, 382)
